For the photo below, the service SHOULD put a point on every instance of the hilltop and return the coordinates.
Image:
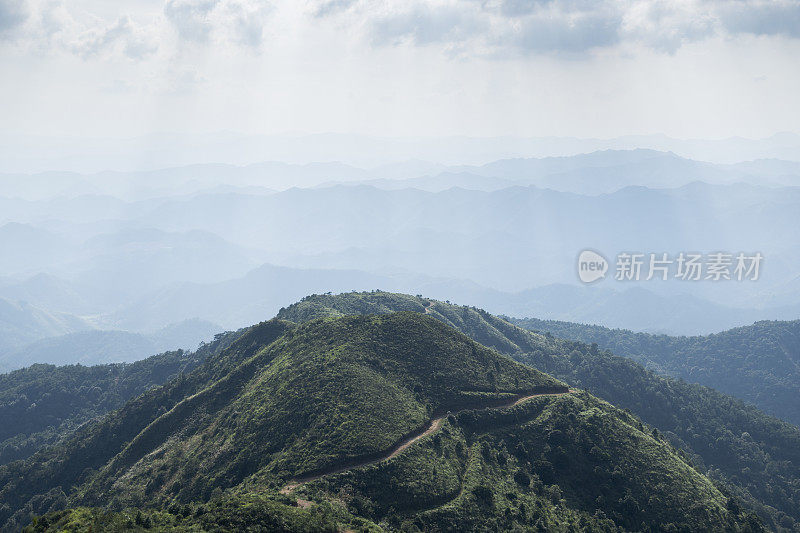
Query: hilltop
(752, 454)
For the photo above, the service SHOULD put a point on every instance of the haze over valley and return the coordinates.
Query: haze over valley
(207, 248)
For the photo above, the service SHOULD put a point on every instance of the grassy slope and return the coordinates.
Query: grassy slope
(759, 363)
(756, 456)
(309, 401)
(560, 463)
(550, 463)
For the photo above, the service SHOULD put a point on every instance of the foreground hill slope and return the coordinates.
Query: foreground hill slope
(42, 481)
(755, 456)
(41, 404)
(285, 406)
(551, 462)
(759, 363)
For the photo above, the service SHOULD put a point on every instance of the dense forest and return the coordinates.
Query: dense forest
(759, 364)
(256, 435)
(41, 403)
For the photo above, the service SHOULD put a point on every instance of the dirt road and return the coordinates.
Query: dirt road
(434, 426)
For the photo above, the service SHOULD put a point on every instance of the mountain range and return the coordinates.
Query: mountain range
(502, 234)
(321, 417)
(279, 425)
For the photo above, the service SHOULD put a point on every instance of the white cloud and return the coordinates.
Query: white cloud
(246, 21)
(760, 17)
(13, 13)
(201, 21)
(191, 18)
(55, 26)
(513, 27)
(484, 28)
(423, 24)
(122, 35)
(665, 25)
(54, 18)
(550, 28)
(327, 8)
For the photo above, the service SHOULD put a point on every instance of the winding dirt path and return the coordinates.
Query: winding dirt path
(434, 426)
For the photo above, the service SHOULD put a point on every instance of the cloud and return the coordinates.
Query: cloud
(510, 26)
(191, 18)
(123, 34)
(327, 8)
(55, 26)
(54, 18)
(665, 25)
(13, 14)
(47, 26)
(466, 28)
(519, 27)
(425, 24)
(238, 21)
(551, 29)
(247, 20)
(762, 17)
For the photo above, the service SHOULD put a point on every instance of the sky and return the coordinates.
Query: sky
(687, 69)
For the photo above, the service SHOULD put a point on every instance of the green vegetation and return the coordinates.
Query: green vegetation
(308, 402)
(550, 464)
(756, 457)
(281, 399)
(210, 450)
(759, 364)
(480, 326)
(250, 512)
(41, 403)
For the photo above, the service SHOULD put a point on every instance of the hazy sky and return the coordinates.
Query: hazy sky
(507, 67)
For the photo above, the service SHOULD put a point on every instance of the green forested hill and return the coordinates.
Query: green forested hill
(212, 449)
(319, 395)
(41, 404)
(759, 363)
(755, 455)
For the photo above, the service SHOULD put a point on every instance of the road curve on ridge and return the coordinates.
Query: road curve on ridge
(434, 426)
